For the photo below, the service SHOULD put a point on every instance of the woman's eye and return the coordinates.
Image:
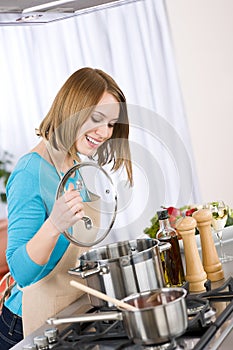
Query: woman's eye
(111, 125)
(96, 119)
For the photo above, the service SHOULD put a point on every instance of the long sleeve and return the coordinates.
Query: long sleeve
(29, 198)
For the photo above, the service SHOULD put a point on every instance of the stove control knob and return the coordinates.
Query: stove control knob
(41, 342)
(30, 347)
(52, 335)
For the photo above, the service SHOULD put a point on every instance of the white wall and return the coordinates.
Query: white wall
(202, 36)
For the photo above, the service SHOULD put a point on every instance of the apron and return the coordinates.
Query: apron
(53, 293)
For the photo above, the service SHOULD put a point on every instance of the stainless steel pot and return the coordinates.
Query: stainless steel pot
(161, 316)
(157, 321)
(122, 268)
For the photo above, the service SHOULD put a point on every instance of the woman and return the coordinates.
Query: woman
(88, 117)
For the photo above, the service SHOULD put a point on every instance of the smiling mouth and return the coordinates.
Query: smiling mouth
(92, 141)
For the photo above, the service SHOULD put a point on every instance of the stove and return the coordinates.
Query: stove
(208, 313)
(210, 325)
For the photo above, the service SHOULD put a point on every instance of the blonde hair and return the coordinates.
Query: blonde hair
(74, 103)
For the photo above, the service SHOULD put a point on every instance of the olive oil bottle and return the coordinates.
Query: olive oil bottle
(171, 259)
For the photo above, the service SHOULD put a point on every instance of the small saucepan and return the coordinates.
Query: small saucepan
(158, 316)
(161, 316)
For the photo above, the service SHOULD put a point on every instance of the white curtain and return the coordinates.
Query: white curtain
(132, 43)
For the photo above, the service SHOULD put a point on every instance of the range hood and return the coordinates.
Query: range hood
(24, 12)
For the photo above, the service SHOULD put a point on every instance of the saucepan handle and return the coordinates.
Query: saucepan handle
(80, 272)
(101, 316)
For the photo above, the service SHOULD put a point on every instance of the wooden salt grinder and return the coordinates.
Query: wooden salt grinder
(210, 259)
(195, 274)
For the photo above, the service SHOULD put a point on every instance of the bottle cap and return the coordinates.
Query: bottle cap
(162, 214)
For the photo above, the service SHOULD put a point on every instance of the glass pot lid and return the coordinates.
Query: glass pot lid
(99, 200)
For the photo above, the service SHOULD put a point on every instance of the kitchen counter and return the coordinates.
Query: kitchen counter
(82, 305)
(218, 343)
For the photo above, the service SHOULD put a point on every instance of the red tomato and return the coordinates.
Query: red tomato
(190, 212)
(172, 211)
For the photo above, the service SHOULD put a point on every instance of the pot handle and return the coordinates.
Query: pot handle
(164, 246)
(78, 271)
(101, 316)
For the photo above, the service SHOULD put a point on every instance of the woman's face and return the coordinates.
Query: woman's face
(99, 126)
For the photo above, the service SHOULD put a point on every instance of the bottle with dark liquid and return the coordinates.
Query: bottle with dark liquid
(171, 258)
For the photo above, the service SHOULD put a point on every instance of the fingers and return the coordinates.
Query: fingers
(68, 209)
(74, 201)
(71, 193)
(76, 208)
(80, 214)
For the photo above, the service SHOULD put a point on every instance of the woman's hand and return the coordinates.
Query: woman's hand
(67, 210)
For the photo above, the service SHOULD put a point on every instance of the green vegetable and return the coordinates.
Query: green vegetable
(151, 231)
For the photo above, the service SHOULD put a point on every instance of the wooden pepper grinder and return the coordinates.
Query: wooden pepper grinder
(210, 259)
(195, 274)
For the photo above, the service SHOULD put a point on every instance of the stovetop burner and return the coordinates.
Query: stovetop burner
(207, 312)
(109, 335)
(196, 305)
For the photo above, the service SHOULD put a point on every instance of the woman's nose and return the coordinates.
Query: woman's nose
(103, 131)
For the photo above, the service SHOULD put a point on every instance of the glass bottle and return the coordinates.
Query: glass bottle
(171, 258)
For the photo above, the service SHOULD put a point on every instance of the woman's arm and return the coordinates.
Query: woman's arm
(34, 240)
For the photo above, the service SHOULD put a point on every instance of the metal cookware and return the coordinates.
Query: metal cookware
(100, 203)
(160, 317)
(122, 268)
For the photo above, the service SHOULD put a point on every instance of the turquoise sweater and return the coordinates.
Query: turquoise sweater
(31, 192)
